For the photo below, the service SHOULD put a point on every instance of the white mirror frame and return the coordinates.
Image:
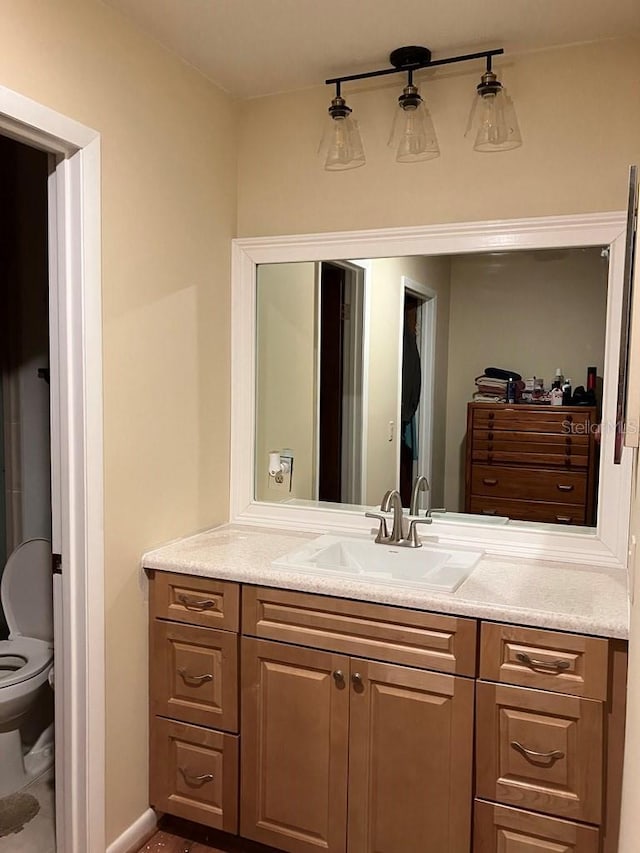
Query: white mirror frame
(607, 545)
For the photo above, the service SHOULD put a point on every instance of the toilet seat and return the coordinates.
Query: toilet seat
(37, 654)
(26, 591)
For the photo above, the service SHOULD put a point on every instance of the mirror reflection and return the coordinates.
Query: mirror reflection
(479, 371)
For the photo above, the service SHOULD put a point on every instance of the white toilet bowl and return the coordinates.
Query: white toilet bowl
(26, 659)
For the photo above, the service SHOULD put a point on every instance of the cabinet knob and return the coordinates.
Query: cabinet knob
(196, 603)
(358, 683)
(193, 780)
(338, 677)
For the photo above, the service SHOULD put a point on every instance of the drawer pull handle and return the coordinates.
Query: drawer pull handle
(490, 481)
(564, 487)
(338, 677)
(554, 755)
(197, 603)
(564, 519)
(488, 512)
(194, 679)
(195, 781)
(534, 663)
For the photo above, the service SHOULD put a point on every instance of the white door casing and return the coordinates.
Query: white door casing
(77, 460)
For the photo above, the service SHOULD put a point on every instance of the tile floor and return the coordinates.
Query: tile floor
(181, 836)
(38, 836)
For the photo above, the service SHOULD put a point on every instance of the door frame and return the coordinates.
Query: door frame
(355, 441)
(77, 461)
(427, 340)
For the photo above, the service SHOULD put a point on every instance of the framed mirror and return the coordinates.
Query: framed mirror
(360, 358)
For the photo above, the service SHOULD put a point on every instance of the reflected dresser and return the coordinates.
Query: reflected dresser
(532, 462)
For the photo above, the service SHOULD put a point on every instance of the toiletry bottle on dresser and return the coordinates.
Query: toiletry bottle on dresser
(567, 392)
(511, 391)
(558, 379)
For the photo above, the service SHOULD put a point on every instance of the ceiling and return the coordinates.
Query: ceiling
(260, 47)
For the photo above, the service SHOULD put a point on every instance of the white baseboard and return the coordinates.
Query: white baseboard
(136, 834)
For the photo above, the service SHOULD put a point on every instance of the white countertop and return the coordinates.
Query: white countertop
(536, 593)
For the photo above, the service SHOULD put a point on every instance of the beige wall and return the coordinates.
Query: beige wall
(578, 112)
(285, 374)
(529, 312)
(385, 367)
(168, 207)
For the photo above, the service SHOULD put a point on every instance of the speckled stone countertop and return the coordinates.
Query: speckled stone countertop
(537, 593)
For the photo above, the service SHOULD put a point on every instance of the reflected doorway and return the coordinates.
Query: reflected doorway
(340, 296)
(416, 406)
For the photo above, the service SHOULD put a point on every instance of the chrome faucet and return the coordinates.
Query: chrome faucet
(393, 501)
(421, 485)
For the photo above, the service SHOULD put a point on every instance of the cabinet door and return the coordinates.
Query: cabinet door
(410, 760)
(295, 717)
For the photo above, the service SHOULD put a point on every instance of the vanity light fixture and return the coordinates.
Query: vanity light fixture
(413, 134)
(341, 145)
(497, 125)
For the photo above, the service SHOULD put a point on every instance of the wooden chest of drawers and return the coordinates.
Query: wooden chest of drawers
(533, 463)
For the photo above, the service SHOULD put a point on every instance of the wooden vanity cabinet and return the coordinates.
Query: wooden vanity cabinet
(341, 753)
(549, 741)
(351, 727)
(193, 673)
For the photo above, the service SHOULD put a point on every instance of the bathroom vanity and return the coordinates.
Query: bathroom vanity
(309, 712)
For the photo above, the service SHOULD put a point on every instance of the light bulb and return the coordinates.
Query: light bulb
(413, 134)
(497, 123)
(341, 146)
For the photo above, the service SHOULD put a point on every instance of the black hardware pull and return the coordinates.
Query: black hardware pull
(56, 564)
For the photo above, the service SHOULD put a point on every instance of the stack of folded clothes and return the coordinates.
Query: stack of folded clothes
(490, 390)
(492, 385)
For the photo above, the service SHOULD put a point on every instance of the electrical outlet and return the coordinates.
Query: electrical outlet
(280, 484)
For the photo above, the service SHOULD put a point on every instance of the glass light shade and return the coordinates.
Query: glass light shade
(341, 146)
(498, 128)
(413, 135)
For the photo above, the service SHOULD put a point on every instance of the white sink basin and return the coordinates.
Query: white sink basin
(433, 566)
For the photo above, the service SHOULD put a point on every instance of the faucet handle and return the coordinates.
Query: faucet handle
(412, 536)
(383, 531)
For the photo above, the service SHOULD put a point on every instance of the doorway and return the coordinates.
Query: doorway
(340, 296)
(25, 475)
(75, 325)
(418, 343)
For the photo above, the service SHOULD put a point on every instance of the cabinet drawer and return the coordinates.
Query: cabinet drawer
(537, 442)
(393, 634)
(194, 674)
(555, 486)
(540, 751)
(198, 601)
(490, 455)
(500, 829)
(548, 660)
(540, 419)
(554, 513)
(194, 774)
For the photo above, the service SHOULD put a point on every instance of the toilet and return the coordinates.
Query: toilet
(26, 660)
